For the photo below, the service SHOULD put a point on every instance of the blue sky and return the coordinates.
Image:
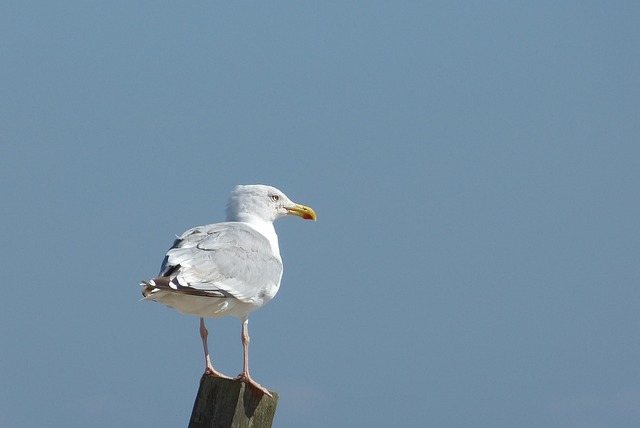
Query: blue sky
(474, 168)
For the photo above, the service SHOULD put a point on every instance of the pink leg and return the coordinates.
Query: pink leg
(245, 377)
(209, 368)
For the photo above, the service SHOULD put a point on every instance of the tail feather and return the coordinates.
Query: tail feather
(149, 287)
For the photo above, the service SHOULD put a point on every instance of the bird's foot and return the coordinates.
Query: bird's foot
(244, 377)
(213, 372)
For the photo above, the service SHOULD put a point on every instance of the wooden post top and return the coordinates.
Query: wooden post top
(229, 403)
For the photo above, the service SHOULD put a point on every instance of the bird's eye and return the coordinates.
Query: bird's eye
(275, 198)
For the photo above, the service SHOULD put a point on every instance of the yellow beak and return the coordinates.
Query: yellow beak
(302, 211)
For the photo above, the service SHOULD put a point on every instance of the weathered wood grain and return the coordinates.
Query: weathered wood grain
(228, 403)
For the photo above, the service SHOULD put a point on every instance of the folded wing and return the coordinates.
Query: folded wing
(224, 260)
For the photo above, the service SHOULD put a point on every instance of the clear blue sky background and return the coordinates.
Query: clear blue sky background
(475, 167)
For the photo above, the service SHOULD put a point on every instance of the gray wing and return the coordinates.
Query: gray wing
(221, 260)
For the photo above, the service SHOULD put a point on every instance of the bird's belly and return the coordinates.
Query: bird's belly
(206, 307)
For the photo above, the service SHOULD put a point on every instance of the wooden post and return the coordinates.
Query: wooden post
(228, 403)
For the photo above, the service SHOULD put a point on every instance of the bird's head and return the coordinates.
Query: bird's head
(265, 203)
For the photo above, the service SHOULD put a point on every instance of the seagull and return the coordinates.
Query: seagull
(230, 268)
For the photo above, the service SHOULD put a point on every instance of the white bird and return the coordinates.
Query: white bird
(230, 268)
